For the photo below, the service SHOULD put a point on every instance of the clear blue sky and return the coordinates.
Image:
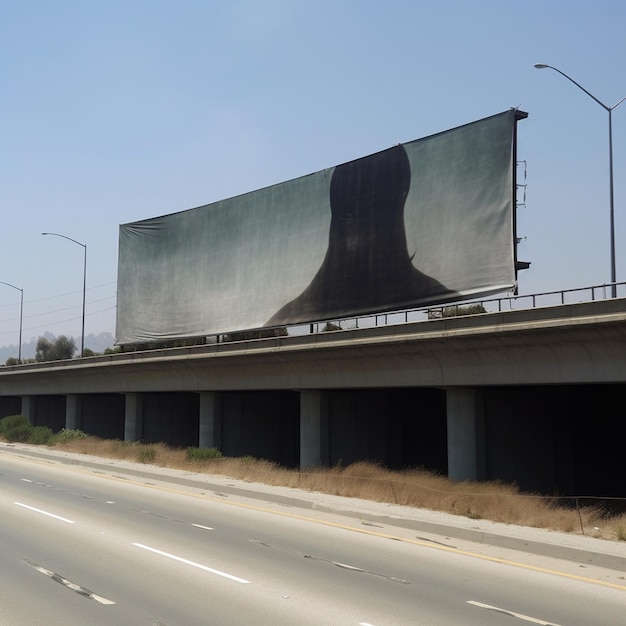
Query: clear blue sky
(114, 111)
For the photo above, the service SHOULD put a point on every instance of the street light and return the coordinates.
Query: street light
(82, 336)
(543, 66)
(19, 348)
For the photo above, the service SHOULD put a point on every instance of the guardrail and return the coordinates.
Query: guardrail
(472, 307)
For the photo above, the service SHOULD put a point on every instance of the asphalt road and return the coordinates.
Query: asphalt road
(93, 546)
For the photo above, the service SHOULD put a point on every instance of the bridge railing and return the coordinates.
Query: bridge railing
(471, 307)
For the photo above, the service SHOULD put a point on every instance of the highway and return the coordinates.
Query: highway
(82, 546)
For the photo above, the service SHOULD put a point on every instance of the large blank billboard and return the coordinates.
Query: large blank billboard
(421, 223)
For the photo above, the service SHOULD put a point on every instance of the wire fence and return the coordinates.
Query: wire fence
(478, 501)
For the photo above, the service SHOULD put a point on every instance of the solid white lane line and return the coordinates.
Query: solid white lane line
(192, 563)
(526, 618)
(203, 527)
(32, 508)
(67, 583)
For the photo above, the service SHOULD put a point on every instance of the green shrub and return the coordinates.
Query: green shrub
(203, 454)
(147, 454)
(330, 326)
(20, 434)
(41, 435)
(473, 515)
(69, 434)
(456, 310)
(12, 421)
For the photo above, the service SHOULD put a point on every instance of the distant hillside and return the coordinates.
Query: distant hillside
(97, 343)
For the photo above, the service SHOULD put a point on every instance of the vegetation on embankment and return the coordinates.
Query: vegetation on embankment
(414, 487)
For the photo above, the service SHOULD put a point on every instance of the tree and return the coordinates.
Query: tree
(43, 349)
(61, 348)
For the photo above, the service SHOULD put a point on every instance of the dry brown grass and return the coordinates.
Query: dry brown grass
(417, 488)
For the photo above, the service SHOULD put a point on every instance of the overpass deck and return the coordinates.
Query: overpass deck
(581, 343)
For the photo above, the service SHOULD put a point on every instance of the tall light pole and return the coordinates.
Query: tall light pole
(82, 336)
(543, 66)
(19, 348)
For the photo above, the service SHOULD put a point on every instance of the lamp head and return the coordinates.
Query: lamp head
(541, 66)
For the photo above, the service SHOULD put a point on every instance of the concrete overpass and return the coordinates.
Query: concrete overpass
(534, 396)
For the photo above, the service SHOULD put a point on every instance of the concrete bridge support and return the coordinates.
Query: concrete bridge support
(73, 412)
(209, 428)
(313, 423)
(133, 420)
(28, 408)
(466, 434)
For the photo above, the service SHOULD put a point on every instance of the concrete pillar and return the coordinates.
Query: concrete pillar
(466, 434)
(133, 417)
(72, 412)
(209, 435)
(313, 428)
(28, 408)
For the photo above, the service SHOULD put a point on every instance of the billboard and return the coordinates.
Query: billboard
(421, 223)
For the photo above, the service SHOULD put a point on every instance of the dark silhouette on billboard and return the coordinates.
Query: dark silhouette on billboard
(367, 267)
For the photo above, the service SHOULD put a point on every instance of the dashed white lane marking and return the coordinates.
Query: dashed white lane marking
(526, 618)
(203, 527)
(192, 563)
(69, 584)
(350, 567)
(32, 508)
